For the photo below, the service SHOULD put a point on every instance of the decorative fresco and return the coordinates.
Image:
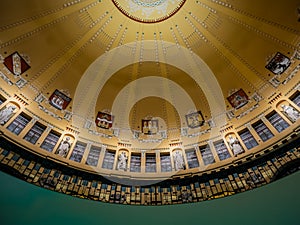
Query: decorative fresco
(59, 100)
(194, 119)
(104, 120)
(149, 126)
(7, 112)
(238, 99)
(235, 145)
(65, 146)
(16, 64)
(278, 64)
(290, 112)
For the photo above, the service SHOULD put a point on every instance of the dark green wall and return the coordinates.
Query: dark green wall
(274, 204)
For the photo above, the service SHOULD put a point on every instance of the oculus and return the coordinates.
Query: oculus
(149, 11)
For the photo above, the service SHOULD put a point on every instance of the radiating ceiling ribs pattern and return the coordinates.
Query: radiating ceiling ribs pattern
(150, 101)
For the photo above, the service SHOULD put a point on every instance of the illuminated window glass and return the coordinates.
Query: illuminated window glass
(109, 158)
(262, 130)
(222, 150)
(277, 121)
(15, 157)
(26, 163)
(85, 183)
(93, 156)
(19, 123)
(150, 163)
(5, 152)
(50, 141)
(78, 152)
(207, 155)
(135, 163)
(37, 166)
(165, 162)
(66, 177)
(94, 184)
(192, 158)
(56, 174)
(46, 171)
(248, 139)
(34, 133)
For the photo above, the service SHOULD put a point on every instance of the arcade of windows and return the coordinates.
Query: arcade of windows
(193, 158)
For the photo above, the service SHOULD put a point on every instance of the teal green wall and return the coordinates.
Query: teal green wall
(274, 204)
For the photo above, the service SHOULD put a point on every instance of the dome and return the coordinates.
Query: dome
(149, 102)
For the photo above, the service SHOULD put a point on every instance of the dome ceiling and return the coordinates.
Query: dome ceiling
(150, 76)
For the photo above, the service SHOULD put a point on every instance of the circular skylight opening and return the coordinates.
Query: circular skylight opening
(149, 11)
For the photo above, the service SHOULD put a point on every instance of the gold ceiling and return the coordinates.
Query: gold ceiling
(180, 66)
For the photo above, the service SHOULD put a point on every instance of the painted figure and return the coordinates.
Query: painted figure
(178, 161)
(291, 113)
(6, 114)
(122, 161)
(235, 145)
(64, 147)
